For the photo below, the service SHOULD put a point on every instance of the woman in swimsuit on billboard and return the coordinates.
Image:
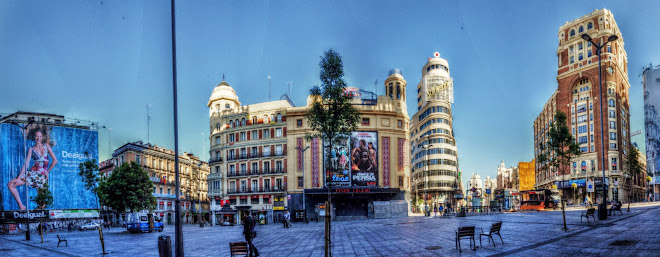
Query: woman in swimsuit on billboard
(37, 175)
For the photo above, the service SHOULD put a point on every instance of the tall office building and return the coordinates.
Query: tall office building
(434, 153)
(578, 97)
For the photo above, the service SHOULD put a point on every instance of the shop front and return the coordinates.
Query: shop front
(351, 202)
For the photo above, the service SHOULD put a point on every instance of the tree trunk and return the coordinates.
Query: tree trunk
(563, 213)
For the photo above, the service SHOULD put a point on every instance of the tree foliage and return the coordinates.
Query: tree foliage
(89, 173)
(127, 188)
(44, 197)
(332, 116)
(561, 146)
(632, 166)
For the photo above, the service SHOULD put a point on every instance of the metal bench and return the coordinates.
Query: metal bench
(494, 229)
(590, 212)
(61, 239)
(616, 208)
(465, 232)
(238, 248)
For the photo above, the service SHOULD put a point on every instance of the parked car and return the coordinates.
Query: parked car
(91, 225)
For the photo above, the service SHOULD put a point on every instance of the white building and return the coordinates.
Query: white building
(652, 125)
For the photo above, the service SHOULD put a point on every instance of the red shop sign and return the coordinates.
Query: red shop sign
(254, 196)
(169, 203)
(161, 214)
(243, 196)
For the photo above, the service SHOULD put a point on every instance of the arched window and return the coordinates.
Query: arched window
(237, 123)
(254, 119)
(272, 118)
(390, 91)
(243, 122)
(583, 166)
(217, 126)
(266, 119)
(590, 26)
(611, 102)
(279, 117)
(231, 123)
(581, 29)
(572, 32)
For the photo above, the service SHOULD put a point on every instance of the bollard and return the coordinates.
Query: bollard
(164, 246)
(602, 211)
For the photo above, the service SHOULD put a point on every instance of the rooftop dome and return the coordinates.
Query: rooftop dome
(223, 91)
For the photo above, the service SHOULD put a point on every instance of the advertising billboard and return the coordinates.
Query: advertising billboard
(364, 158)
(337, 167)
(34, 156)
(526, 175)
(652, 121)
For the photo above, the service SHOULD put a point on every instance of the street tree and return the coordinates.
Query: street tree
(44, 197)
(558, 151)
(128, 188)
(332, 117)
(89, 173)
(631, 168)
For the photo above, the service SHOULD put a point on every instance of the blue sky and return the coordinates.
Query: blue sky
(106, 60)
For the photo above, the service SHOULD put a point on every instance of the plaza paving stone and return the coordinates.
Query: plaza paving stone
(524, 234)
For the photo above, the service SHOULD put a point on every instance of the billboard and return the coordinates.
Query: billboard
(652, 121)
(526, 175)
(364, 158)
(35, 155)
(337, 167)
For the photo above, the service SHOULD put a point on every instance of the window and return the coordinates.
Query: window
(610, 103)
(590, 25)
(593, 162)
(609, 49)
(591, 127)
(243, 136)
(592, 138)
(243, 122)
(232, 138)
(169, 191)
(254, 135)
(278, 150)
(572, 59)
(243, 168)
(300, 182)
(278, 184)
(612, 114)
(613, 163)
(582, 108)
(266, 133)
(580, 57)
(137, 159)
(570, 50)
(580, 30)
(217, 140)
(365, 121)
(591, 116)
(612, 145)
(278, 132)
(589, 53)
(582, 118)
(272, 118)
(279, 117)
(612, 136)
(227, 106)
(584, 149)
(582, 140)
(299, 123)
(232, 185)
(254, 120)
(266, 119)
(255, 185)
(161, 190)
(612, 124)
(243, 201)
(582, 129)
(267, 185)
(243, 186)
(400, 181)
(572, 32)
(266, 166)
(400, 123)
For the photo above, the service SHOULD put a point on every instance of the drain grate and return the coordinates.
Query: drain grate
(623, 243)
(431, 248)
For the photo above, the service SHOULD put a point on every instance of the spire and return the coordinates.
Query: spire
(223, 76)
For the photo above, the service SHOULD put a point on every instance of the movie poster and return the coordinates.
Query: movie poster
(364, 159)
(37, 156)
(337, 166)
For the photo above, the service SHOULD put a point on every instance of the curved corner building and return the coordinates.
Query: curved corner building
(434, 154)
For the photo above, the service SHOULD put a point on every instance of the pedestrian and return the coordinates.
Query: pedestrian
(287, 218)
(435, 211)
(440, 209)
(249, 231)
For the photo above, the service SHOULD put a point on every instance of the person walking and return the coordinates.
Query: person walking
(249, 224)
(287, 218)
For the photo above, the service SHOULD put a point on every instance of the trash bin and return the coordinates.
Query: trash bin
(602, 211)
(164, 246)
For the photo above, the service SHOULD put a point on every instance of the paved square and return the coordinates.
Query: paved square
(525, 234)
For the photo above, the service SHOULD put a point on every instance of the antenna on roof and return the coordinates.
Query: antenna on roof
(376, 86)
(290, 83)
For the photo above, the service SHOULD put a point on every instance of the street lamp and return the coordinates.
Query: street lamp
(302, 151)
(602, 208)
(426, 168)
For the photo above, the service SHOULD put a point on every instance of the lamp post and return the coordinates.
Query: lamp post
(426, 168)
(602, 208)
(302, 151)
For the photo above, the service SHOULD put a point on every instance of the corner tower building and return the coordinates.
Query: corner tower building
(434, 154)
(578, 97)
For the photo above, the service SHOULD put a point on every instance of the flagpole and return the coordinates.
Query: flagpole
(269, 88)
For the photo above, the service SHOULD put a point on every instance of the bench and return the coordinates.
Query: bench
(464, 232)
(61, 239)
(494, 229)
(590, 212)
(616, 208)
(238, 248)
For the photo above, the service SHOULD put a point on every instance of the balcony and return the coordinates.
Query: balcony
(214, 160)
(234, 191)
(255, 172)
(242, 156)
(214, 192)
(278, 154)
(214, 175)
(231, 158)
